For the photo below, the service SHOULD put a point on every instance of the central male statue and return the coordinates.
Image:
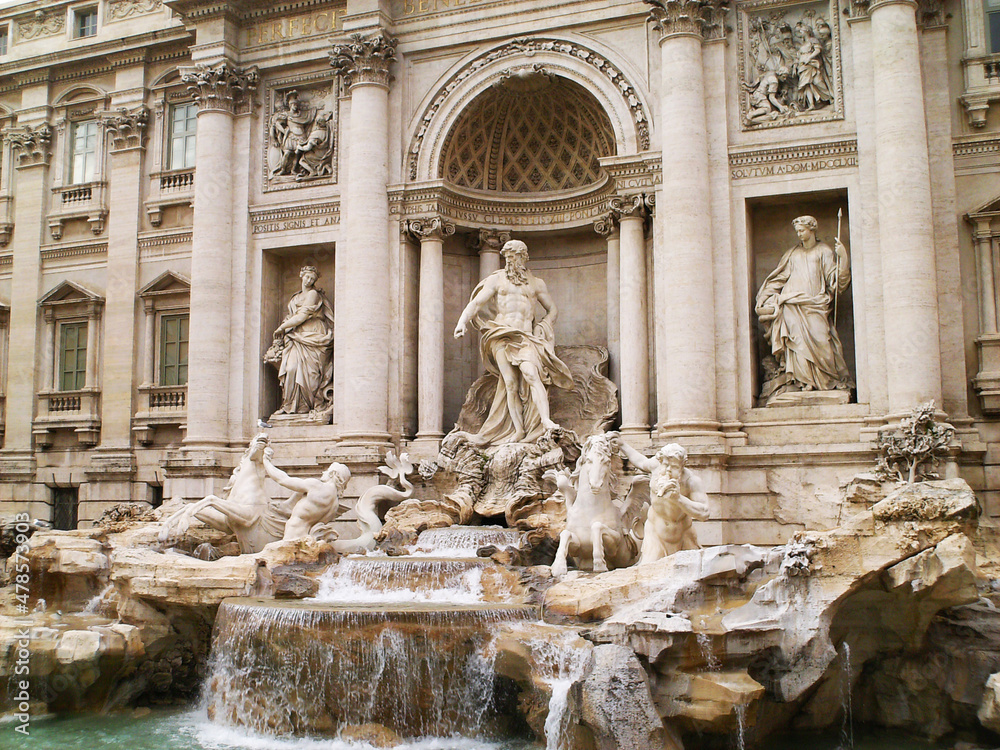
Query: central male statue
(517, 348)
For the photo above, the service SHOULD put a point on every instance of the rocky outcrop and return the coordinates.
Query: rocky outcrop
(989, 709)
(729, 630)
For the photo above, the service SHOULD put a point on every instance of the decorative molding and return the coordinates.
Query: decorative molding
(489, 240)
(789, 62)
(119, 10)
(288, 218)
(704, 18)
(642, 172)
(429, 228)
(527, 46)
(223, 87)
(31, 144)
(785, 160)
(474, 211)
(977, 147)
(162, 239)
(365, 60)
(127, 128)
(49, 253)
(41, 24)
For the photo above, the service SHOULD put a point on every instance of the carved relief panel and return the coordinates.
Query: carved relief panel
(300, 132)
(789, 63)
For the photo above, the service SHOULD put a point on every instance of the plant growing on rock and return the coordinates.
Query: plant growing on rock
(910, 452)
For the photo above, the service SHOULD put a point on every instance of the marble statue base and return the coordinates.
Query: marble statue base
(809, 398)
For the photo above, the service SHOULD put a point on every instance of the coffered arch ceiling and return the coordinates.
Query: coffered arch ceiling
(529, 132)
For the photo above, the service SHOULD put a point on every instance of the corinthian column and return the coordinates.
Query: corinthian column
(912, 345)
(634, 337)
(430, 326)
(489, 243)
(218, 90)
(607, 227)
(363, 307)
(682, 267)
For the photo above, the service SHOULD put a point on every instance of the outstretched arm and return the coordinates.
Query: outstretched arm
(638, 460)
(289, 483)
(485, 293)
(696, 504)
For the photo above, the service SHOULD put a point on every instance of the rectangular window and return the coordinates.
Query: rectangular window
(183, 128)
(65, 502)
(83, 152)
(992, 25)
(4, 39)
(84, 23)
(72, 356)
(174, 350)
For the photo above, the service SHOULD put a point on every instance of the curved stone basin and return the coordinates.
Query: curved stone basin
(311, 668)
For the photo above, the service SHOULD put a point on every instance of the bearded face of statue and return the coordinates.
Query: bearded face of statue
(515, 264)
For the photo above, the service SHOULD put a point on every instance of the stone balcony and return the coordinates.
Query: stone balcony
(170, 188)
(76, 411)
(159, 406)
(982, 86)
(87, 200)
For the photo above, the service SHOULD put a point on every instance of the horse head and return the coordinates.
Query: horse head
(595, 458)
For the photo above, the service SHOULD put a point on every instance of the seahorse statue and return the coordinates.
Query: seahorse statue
(368, 505)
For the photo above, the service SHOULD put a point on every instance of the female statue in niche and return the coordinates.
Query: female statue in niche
(796, 305)
(302, 349)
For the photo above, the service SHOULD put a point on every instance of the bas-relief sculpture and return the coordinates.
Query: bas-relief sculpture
(302, 350)
(910, 452)
(789, 67)
(301, 137)
(797, 306)
(517, 348)
(247, 510)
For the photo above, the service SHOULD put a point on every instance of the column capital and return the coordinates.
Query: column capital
(490, 240)
(429, 228)
(606, 225)
(365, 60)
(127, 128)
(31, 144)
(701, 18)
(222, 87)
(930, 13)
(628, 206)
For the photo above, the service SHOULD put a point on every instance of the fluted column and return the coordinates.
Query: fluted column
(634, 337)
(363, 307)
(683, 266)
(987, 283)
(430, 336)
(607, 227)
(219, 91)
(48, 350)
(489, 243)
(913, 350)
(93, 345)
(149, 345)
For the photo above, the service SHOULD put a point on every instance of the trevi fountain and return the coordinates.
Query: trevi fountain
(539, 583)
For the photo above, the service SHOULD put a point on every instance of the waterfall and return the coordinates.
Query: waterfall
(741, 726)
(97, 603)
(707, 653)
(846, 682)
(463, 541)
(424, 580)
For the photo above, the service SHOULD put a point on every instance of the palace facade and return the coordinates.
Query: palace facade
(168, 168)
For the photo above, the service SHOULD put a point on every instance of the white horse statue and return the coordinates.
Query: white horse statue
(245, 509)
(601, 531)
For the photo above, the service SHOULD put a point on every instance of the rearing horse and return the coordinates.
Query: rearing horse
(598, 530)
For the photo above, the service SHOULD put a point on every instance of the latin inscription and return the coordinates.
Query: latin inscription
(295, 27)
(288, 225)
(420, 7)
(795, 167)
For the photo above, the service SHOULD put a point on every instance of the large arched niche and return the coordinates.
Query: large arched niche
(610, 82)
(530, 133)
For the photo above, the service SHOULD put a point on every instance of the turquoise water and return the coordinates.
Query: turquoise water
(189, 730)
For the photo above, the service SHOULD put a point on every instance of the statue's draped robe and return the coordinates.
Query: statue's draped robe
(306, 371)
(519, 346)
(802, 337)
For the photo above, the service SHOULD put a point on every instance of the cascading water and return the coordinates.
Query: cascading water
(397, 642)
(846, 683)
(463, 541)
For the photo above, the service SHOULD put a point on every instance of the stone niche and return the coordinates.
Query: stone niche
(279, 281)
(573, 265)
(771, 235)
